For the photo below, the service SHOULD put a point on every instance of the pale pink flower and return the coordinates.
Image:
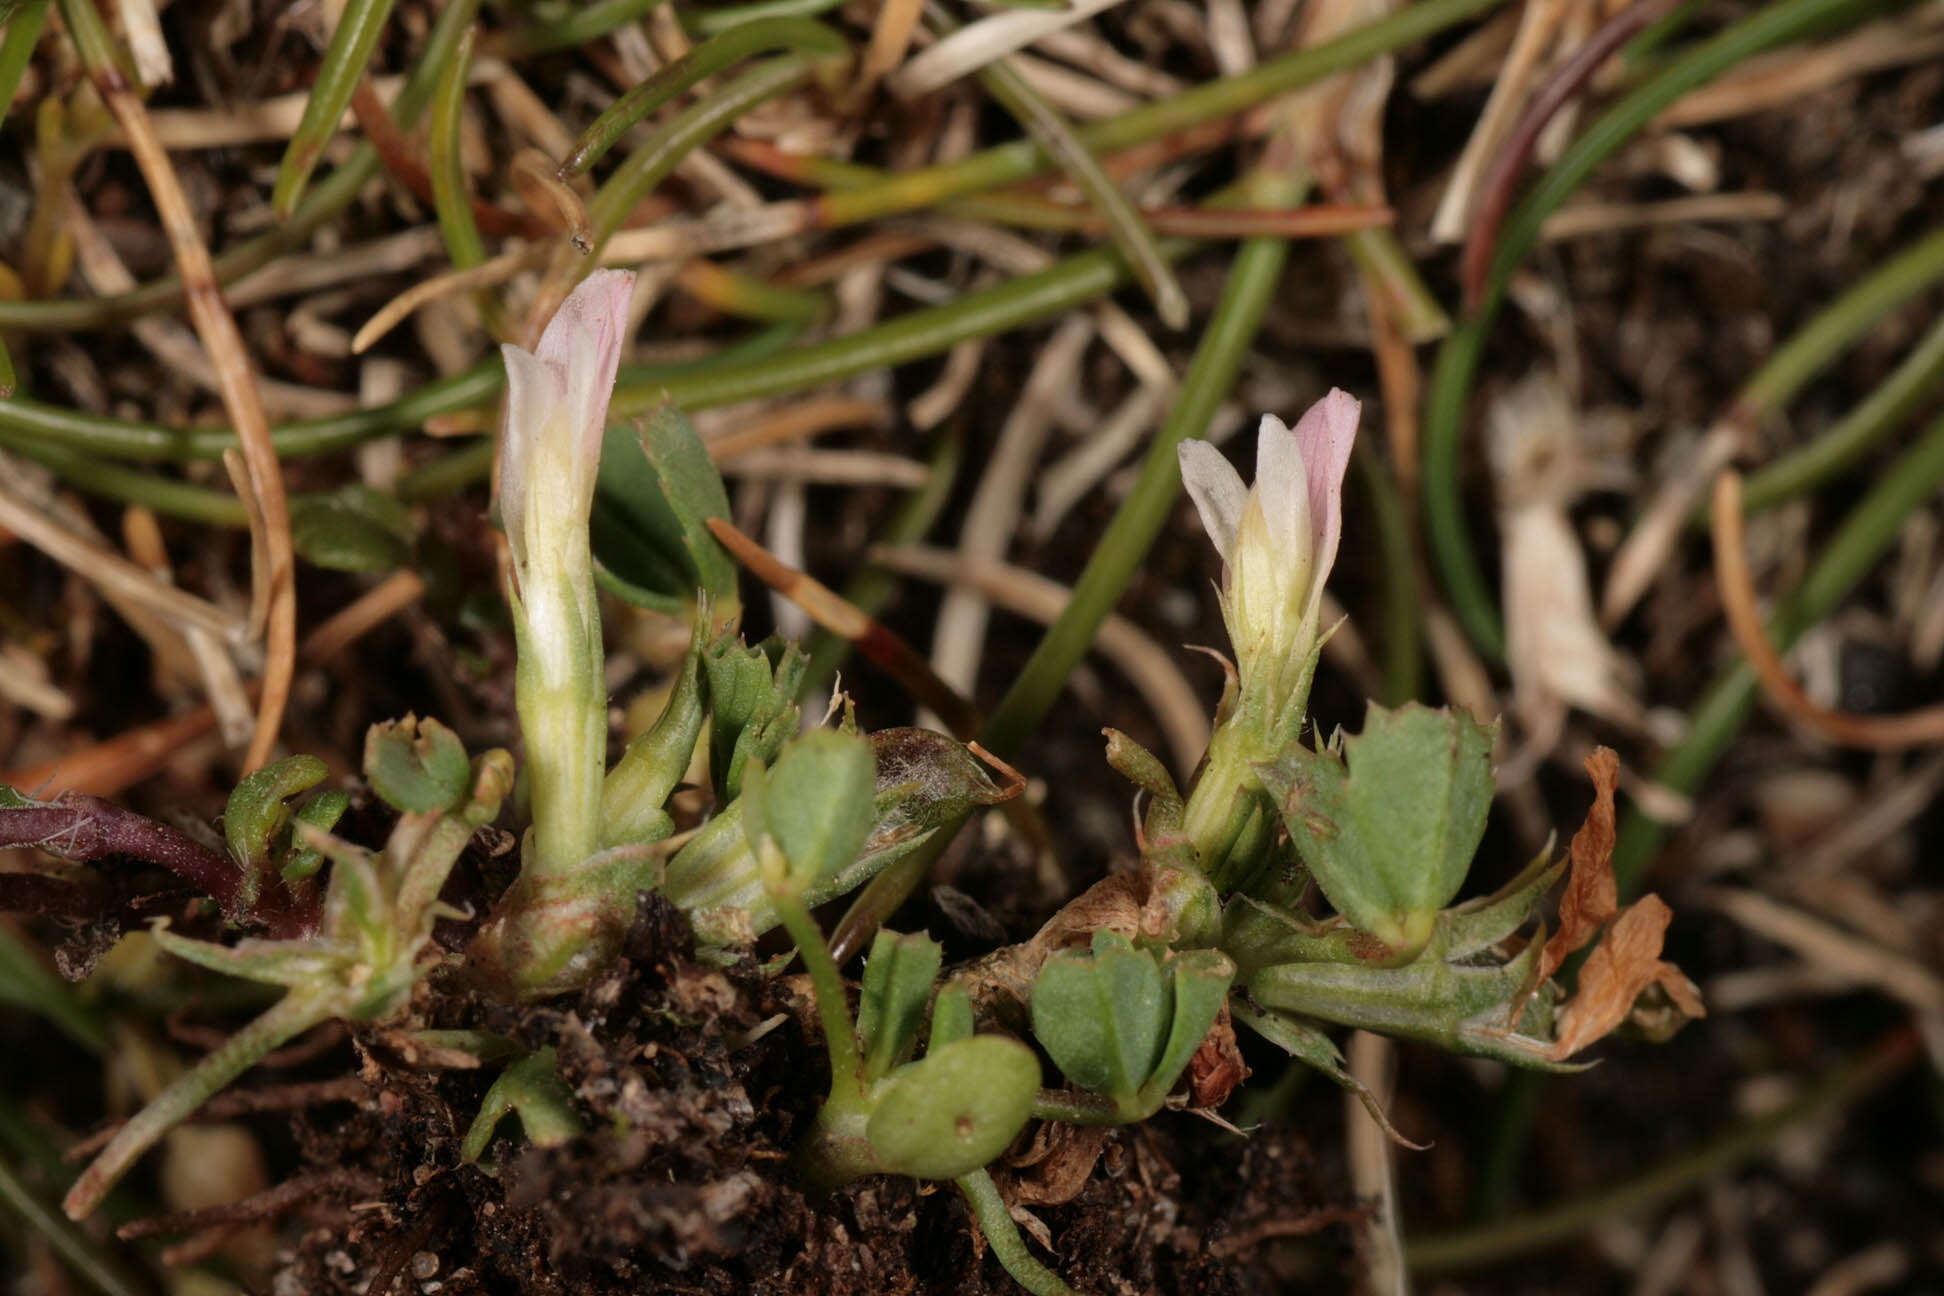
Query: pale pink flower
(1278, 537)
(550, 454)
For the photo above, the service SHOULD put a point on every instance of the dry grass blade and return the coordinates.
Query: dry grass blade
(980, 43)
(798, 421)
(105, 567)
(1737, 587)
(236, 381)
(1833, 950)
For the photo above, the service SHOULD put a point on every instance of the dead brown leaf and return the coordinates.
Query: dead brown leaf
(1217, 1067)
(1624, 964)
(1056, 1165)
(1591, 895)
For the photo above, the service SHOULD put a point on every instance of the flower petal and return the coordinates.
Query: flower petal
(1282, 484)
(1217, 490)
(534, 390)
(1324, 435)
(583, 343)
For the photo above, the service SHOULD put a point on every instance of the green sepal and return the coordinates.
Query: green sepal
(635, 790)
(954, 1110)
(752, 706)
(12, 799)
(1144, 770)
(417, 766)
(898, 977)
(1388, 831)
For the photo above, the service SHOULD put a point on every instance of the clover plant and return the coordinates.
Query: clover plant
(1301, 882)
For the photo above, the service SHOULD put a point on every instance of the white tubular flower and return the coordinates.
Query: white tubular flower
(1278, 540)
(550, 454)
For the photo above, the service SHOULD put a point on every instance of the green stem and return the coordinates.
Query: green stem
(81, 1254)
(1863, 537)
(704, 61)
(996, 1222)
(1889, 404)
(584, 24)
(1523, 1234)
(681, 135)
(1123, 546)
(1403, 655)
(1381, 257)
(450, 200)
(827, 987)
(1124, 224)
(1071, 282)
(1839, 324)
(1079, 1107)
(345, 62)
(1448, 396)
(289, 1017)
(715, 20)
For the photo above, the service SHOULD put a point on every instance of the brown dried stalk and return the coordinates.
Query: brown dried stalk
(1883, 733)
(272, 549)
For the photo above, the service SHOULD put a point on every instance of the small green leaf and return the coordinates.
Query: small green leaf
(1201, 981)
(898, 978)
(417, 766)
(352, 528)
(951, 1017)
(1103, 1016)
(1389, 831)
(258, 808)
(650, 530)
(533, 1088)
(818, 804)
(956, 1109)
(11, 799)
(1135, 998)
(321, 812)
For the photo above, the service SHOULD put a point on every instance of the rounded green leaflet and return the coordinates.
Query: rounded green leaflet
(417, 766)
(1389, 828)
(817, 804)
(1103, 1016)
(956, 1109)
